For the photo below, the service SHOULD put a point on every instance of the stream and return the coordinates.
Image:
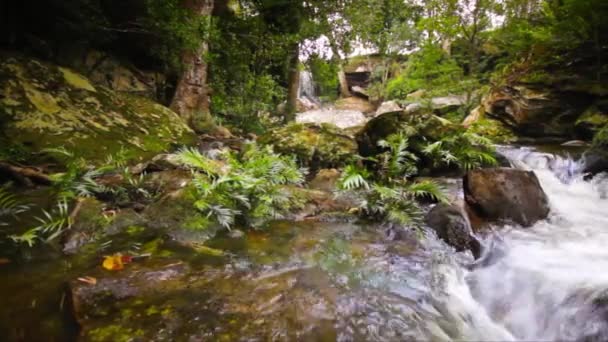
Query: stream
(340, 281)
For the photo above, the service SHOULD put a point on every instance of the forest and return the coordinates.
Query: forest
(332, 170)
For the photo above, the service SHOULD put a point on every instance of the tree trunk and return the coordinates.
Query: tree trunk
(344, 91)
(293, 83)
(191, 99)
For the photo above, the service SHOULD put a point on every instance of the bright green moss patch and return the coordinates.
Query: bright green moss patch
(47, 106)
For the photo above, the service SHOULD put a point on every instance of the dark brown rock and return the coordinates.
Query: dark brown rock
(506, 194)
(452, 226)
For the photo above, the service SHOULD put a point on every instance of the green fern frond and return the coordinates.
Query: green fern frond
(192, 158)
(353, 177)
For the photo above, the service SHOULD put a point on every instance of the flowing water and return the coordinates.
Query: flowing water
(349, 282)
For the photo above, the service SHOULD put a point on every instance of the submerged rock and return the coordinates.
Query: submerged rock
(43, 105)
(452, 226)
(506, 194)
(316, 146)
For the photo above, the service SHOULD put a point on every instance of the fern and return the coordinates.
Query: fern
(397, 161)
(353, 177)
(247, 190)
(193, 159)
(10, 205)
(51, 225)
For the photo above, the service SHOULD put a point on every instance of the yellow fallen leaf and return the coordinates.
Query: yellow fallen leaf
(113, 262)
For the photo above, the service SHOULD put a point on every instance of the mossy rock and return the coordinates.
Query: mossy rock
(591, 122)
(493, 130)
(43, 105)
(316, 146)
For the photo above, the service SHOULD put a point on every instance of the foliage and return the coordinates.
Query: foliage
(325, 74)
(466, 150)
(600, 140)
(246, 188)
(78, 179)
(397, 161)
(51, 225)
(354, 177)
(10, 205)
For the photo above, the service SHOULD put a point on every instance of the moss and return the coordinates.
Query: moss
(47, 106)
(76, 80)
(114, 332)
(591, 122)
(494, 130)
(314, 145)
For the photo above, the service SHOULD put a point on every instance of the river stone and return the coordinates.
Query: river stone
(506, 194)
(452, 225)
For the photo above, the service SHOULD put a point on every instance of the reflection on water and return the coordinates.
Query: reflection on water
(348, 282)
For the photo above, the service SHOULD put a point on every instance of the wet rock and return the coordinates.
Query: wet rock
(117, 305)
(168, 181)
(506, 194)
(595, 161)
(316, 146)
(387, 107)
(325, 180)
(452, 226)
(592, 121)
(443, 105)
(44, 105)
(537, 111)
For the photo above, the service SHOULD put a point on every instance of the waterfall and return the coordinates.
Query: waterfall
(549, 282)
(306, 89)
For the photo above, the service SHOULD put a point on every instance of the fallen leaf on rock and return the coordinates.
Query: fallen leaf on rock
(116, 262)
(88, 280)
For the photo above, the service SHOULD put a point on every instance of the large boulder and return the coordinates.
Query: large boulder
(537, 111)
(506, 194)
(43, 105)
(452, 225)
(316, 146)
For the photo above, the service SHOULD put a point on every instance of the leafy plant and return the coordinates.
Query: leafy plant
(466, 150)
(397, 161)
(397, 203)
(247, 188)
(10, 205)
(51, 225)
(354, 177)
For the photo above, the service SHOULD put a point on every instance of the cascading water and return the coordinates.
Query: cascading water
(306, 88)
(549, 282)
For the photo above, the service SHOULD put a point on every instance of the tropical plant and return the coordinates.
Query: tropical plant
(10, 205)
(246, 187)
(465, 150)
(354, 177)
(397, 203)
(51, 225)
(78, 180)
(397, 161)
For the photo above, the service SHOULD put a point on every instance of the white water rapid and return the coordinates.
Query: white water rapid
(544, 283)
